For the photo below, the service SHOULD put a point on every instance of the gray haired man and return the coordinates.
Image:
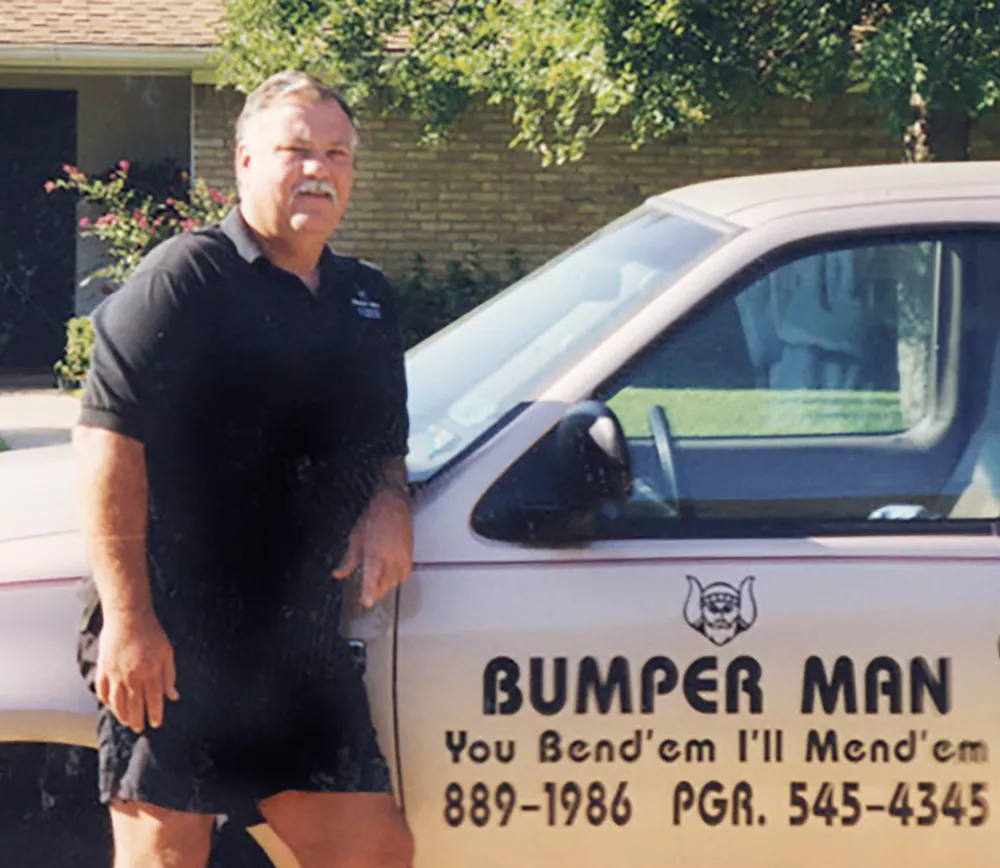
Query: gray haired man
(242, 437)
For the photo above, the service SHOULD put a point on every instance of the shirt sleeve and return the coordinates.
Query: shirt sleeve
(147, 342)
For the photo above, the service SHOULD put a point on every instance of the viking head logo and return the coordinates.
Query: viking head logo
(720, 612)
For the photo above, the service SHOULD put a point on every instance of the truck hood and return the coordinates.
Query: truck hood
(37, 492)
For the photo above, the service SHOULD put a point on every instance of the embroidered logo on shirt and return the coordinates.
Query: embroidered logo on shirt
(364, 306)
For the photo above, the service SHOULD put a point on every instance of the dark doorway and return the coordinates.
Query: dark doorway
(37, 230)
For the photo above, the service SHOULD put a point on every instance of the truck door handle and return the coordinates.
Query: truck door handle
(358, 649)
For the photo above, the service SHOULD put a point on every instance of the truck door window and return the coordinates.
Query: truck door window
(850, 387)
(839, 390)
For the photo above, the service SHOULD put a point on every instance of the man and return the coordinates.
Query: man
(241, 438)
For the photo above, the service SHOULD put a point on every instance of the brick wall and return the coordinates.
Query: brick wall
(215, 113)
(474, 196)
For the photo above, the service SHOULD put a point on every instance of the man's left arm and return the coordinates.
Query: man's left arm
(381, 543)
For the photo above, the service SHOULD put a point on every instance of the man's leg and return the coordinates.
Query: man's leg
(148, 836)
(341, 830)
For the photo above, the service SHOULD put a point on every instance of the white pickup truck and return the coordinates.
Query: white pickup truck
(707, 560)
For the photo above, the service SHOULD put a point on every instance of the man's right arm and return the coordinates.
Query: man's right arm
(135, 664)
(149, 338)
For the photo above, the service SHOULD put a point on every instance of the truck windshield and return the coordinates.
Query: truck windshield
(491, 362)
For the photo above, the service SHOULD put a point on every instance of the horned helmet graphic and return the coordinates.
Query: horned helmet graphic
(720, 612)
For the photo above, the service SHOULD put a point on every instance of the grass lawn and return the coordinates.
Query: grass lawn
(760, 412)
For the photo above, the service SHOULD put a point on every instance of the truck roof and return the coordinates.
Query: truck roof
(755, 199)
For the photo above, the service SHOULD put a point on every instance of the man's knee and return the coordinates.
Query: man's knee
(398, 849)
(389, 848)
(147, 836)
(341, 830)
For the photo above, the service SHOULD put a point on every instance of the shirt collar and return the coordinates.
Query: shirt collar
(235, 227)
(332, 267)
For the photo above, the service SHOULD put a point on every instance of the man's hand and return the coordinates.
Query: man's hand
(135, 668)
(382, 543)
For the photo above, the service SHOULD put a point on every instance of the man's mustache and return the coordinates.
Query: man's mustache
(321, 187)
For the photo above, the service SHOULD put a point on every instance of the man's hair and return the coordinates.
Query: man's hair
(289, 85)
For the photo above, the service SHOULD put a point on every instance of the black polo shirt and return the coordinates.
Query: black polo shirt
(265, 409)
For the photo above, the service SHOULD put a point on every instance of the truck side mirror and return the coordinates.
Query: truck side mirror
(553, 494)
(591, 458)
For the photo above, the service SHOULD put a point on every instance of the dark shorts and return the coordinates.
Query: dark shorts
(269, 710)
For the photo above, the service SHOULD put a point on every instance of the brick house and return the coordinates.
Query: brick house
(95, 81)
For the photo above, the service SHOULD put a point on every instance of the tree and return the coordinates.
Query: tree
(936, 67)
(566, 68)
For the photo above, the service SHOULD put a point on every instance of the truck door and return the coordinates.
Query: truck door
(781, 647)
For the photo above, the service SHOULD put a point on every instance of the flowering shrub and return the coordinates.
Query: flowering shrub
(132, 224)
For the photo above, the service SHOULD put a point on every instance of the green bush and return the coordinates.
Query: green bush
(71, 371)
(427, 303)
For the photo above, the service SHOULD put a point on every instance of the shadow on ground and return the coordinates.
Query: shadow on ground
(50, 816)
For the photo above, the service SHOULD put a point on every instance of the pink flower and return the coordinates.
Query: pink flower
(50, 186)
(137, 215)
(217, 196)
(188, 225)
(158, 222)
(143, 223)
(171, 201)
(69, 170)
(84, 222)
(124, 165)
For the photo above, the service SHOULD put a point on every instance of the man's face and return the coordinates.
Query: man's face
(295, 168)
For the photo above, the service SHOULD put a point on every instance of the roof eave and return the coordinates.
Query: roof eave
(106, 59)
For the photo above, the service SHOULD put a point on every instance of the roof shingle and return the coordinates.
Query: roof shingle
(160, 23)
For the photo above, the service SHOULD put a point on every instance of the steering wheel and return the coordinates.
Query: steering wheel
(663, 440)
